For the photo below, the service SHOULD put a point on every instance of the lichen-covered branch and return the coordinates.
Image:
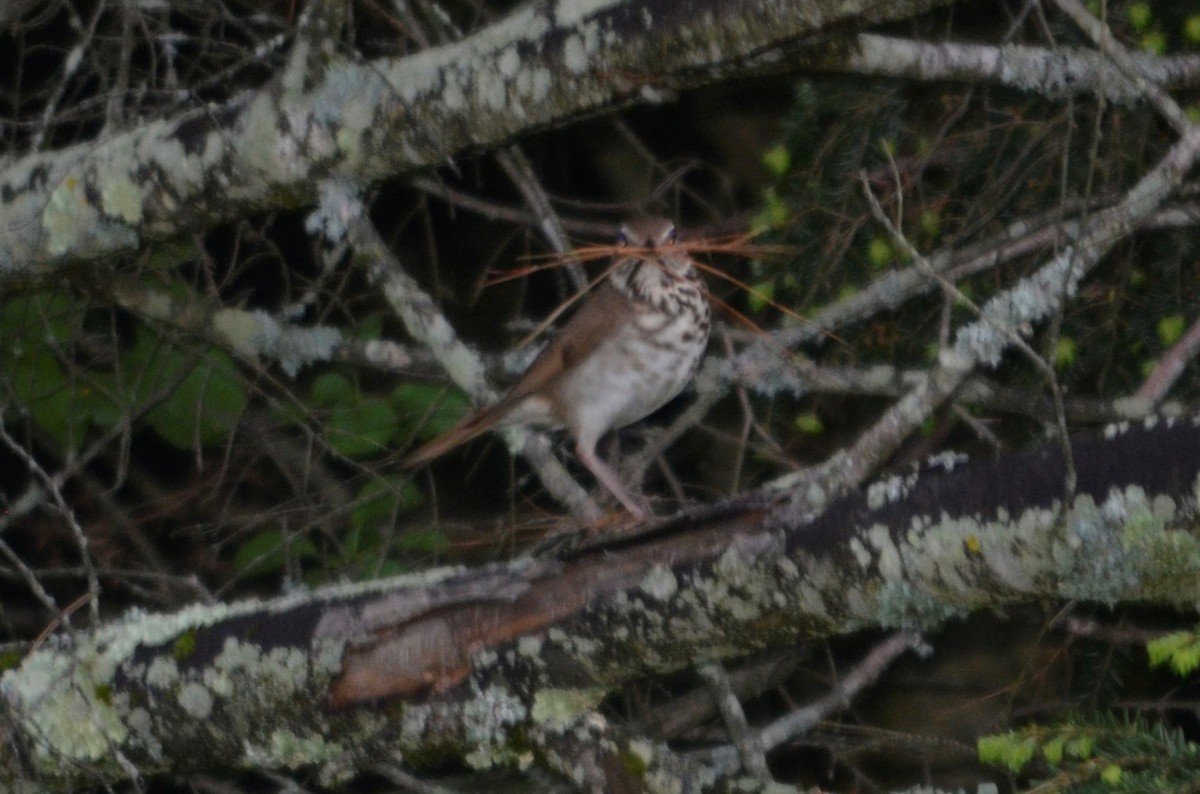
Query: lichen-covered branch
(476, 663)
(546, 63)
(1054, 73)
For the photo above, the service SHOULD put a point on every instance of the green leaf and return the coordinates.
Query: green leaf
(100, 401)
(1064, 352)
(423, 541)
(880, 252)
(777, 160)
(1180, 649)
(424, 410)
(1154, 41)
(268, 552)
(38, 329)
(39, 384)
(759, 294)
(774, 213)
(1006, 749)
(1053, 750)
(1080, 748)
(1191, 29)
(810, 424)
(205, 404)
(1171, 328)
(369, 327)
(332, 389)
(1139, 16)
(362, 429)
(931, 224)
(1111, 775)
(39, 318)
(380, 501)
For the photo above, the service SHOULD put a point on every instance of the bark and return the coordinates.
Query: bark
(546, 63)
(505, 664)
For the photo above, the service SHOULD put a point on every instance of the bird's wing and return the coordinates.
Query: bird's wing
(582, 334)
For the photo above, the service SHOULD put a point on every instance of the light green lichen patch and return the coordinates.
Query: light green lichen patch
(530, 645)
(572, 12)
(1089, 561)
(195, 700)
(238, 329)
(878, 539)
(73, 718)
(509, 62)
(659, 583)
(564, 705)
(288, 750)
(163, 673)
(898, 604)
(284, 670)
(67, 217)
(534, 84)
(122, 199)
(889, 490)
(1128, 543)
(575, 56)
(489, 717)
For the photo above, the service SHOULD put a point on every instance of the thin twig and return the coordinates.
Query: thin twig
(748, 744)
(863, 675)
(53, 486)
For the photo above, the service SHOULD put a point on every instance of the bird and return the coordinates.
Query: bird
(633, 345)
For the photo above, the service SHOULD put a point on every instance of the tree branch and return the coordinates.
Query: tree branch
(546, 63)
(475, 662)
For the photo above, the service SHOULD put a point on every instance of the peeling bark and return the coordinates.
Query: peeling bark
(489, 665)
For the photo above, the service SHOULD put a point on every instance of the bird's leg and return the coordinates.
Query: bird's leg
(609, 479)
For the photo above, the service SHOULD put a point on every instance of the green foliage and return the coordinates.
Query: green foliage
(1011, 750)
(880, 252)
(332, 389)
(198, 398)
(810, 424)
(774, 214)
(361, 428)
(426, 410)
(777, 160)
(1097, 754)
(185, 646)
(1171, 328)
(1065, 351)
(39, 330)
(204, 395)
(357, 425)
(270, 551)
(1139, 16)
(1191, 29)
(370, 544)
(759, 294)
(1180, 650)
(371, 547)
(930, 223)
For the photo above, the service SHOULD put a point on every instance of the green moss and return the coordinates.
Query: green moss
(634, 764)
(185, 645)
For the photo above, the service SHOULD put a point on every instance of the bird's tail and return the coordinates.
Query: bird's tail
(473, 426)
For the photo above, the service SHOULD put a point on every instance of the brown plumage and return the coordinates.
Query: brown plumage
(632, 346)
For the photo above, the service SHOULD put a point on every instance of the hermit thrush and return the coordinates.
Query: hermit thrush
(631, 347)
